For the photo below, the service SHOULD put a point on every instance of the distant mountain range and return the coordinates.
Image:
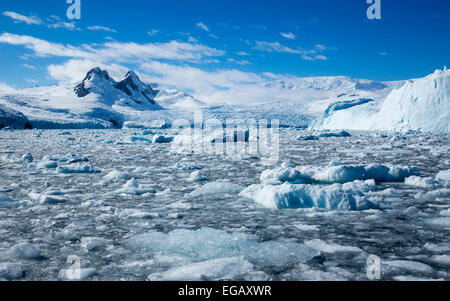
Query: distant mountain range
(322, 103)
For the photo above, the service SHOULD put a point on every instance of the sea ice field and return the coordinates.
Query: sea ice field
(121, 205)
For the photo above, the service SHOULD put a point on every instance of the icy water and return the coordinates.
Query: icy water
(130, 210)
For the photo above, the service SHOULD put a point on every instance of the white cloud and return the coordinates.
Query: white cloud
(187, 77)
(242, 53)
(289, 36)
(262, 27)
(28, 66)
(307, 55)
(44, 48)
(75, 70)
(116, 51)
(4, 88)
(202, 26)
(66, 25)
(153, 32)
(32, 20)
(239, 62)
(192, 40)
(101, 28)
(384, 53)
(275, 47)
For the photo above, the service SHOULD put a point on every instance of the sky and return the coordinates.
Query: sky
(212, 46)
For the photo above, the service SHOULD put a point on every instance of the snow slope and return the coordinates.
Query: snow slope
(97, 102)
(13, 119)
(422, 105)
(101, 102)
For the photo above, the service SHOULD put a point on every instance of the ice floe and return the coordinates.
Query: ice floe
(337, 173)
(216, 188)
(197, 176)
(347, 196)
(76, 168)
(133, 187)
(209, 244)
(331, 248)
(25, 250)
(212, 270)
(11, 271)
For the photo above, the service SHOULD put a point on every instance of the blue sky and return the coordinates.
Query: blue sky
(175, 42)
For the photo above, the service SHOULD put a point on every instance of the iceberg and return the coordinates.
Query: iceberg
(216, 188)
(419, 105)
(337, 173)
(347, 196)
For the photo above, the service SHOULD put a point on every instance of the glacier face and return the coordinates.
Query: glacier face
(420, 105)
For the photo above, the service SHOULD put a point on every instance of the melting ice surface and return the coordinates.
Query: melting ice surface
(131, 209)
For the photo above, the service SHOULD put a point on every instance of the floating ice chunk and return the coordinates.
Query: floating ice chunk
(197, 176)
(412, 266)
(415, 279)
(48, 163)
(161, 139)
(423, 182)
(136, 213)
(51, 200)
(76, 168)
(441, 259)
(216, 188)
(334, 173)
(437, 248)
(213, 270)
(304, 227)
(132, 187)
(186, 166)
(306, 138)
(209, 244)
(440, 221)
(93, 243)
(433, 195)
(117, 175)
(444, 175)
(303, 272)
(65, 235)
(294, 196)
(147, 132)
(331, 248)
(134, 139)
(5, 199)
(76, 274)
(27, 158)
(11, 271)
(337, 134)
(445, 212)
(73, 158)
(25, 250)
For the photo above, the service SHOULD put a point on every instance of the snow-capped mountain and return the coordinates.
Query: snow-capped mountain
(337, 102)
(174, 99)
(98, 101)
(99, 82)
(421, 104)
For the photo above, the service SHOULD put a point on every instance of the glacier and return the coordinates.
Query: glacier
(418, 105)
